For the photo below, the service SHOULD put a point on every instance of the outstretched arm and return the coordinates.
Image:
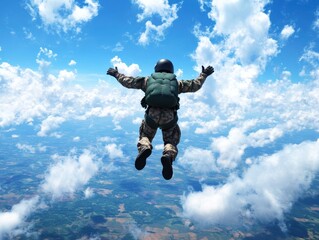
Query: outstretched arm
(127, 81)
(196, 84)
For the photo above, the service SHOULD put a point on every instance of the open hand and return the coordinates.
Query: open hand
(208, 71)
(113, 72)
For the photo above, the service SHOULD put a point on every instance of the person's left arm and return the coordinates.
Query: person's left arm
(195, 84)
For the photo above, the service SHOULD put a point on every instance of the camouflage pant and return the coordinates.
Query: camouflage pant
(171, 136)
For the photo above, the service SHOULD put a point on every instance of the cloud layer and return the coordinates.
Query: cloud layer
(28, 95)
(264, 193)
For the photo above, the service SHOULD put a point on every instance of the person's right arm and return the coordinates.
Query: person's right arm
(128, 81)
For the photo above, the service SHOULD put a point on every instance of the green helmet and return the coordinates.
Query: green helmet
(164, 65)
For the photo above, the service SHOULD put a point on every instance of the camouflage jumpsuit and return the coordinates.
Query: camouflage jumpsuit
(171, 136)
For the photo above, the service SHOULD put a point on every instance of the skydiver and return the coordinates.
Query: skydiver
(161, 102)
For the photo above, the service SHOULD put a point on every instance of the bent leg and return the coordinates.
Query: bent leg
(146, 136)
(171, 138)
(144, 145)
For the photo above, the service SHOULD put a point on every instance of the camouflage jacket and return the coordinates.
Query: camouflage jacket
(183, 85)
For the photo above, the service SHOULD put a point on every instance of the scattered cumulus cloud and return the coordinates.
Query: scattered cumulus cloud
(72, 63)
(199, 160)
(63, 15)
(88, 192)
(30, 149)
(114, 151)
(28, 35)
(11, 220)
(118, 47)
(287, 32)
(167, 13)
(310, 56)
(50, 123)
(76, 139)
(69, 174)
(203, 4)
(132, 70)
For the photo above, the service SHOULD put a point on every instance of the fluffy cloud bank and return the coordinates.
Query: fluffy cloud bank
(28, 95)
(264, 193)
(63, 15)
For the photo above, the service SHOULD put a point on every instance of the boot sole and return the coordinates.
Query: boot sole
(140, 161)
(167, 171)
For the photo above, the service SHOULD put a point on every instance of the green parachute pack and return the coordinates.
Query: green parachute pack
(162, 91)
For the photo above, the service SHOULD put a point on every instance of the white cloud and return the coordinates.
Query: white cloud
(118, 47)
(230, 148)
(137, 232)
(137, 121)
(203, 3)
(310, 56)
(167, 13)
(287, 32)
(76, 139)
(69, 174)
(44, 58)
(198, 160)
(114, 151)
(179, 73)
(110, 167)
(226, 152)
(316, 22)
(63, 15)
(49, 124)
(88, 192)
(26, 147)
(265, 192)
(132, 70)
(28, 35)
(27, 95)
(72, 63)
(11, 220)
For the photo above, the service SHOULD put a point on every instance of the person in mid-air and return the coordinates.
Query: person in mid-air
(161, 102)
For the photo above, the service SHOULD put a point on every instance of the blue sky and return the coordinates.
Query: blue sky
(53, 59)
(114, 29)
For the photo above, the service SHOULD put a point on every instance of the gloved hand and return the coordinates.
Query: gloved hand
(113, 72)
(208, 71)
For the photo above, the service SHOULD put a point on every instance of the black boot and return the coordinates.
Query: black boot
(140, 160)
(167, 163)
